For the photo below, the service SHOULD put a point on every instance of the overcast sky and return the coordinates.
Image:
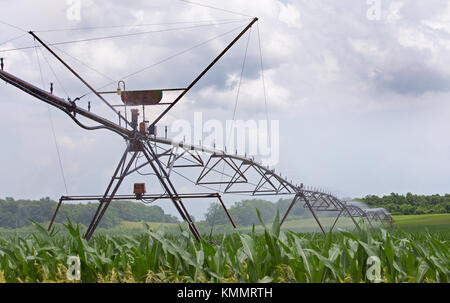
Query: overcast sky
(362, 94)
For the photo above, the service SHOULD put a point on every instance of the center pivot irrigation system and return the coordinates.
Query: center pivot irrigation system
(165, 157)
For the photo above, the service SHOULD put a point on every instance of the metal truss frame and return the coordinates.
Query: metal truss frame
(266, 182)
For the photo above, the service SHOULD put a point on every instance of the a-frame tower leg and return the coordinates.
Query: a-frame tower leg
(116, 180)
(301, 195)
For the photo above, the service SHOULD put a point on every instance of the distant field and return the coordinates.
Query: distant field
(435, 222)
(421, 220)
(153, 225)
(306, 225)
(416, 223)
(410, 222)
(301, 225)
(413, 223)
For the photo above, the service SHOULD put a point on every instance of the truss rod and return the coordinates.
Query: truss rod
(78, 76)
(204, 71)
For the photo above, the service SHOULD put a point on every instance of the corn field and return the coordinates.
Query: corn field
(271, 256)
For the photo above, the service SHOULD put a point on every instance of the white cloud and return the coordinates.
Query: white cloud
(412, 37)
(440, 22)
(290, 15)
(393, 14)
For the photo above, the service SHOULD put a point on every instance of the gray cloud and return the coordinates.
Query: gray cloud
(413, 80)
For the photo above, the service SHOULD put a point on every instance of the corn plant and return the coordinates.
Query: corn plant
(273, 256)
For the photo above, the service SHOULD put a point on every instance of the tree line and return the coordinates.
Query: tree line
(410, 204)
(18, 213)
